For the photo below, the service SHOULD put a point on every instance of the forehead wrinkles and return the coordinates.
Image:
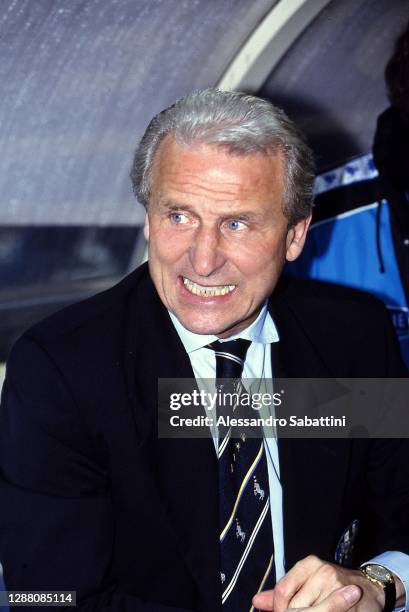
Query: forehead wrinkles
(209, 184)
(209, 171)
(218, 183)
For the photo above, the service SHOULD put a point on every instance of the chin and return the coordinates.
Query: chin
(223, 331)
(205, 328)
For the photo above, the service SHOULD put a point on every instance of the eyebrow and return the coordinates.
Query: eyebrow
(246, 215)
(171, 205)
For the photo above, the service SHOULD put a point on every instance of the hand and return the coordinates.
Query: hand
(316, 584)
(340, 600)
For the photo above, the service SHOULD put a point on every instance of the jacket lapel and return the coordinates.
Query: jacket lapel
(312, 471)
(186, 468)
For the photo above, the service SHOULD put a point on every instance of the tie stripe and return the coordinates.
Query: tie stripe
(241, 490)
(260, 588)
(231, 357)
(246, 551)
(223, 444)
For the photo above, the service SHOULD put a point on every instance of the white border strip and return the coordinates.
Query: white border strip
(2, 374)
(267, 44)
(356, 170)
(348, 213)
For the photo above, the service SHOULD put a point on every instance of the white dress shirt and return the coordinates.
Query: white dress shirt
(262, 332)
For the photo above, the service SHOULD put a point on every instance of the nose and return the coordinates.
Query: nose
(206, 256)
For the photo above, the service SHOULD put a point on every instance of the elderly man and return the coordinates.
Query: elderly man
(94, 501)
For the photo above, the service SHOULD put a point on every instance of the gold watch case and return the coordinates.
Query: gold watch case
(378, 574)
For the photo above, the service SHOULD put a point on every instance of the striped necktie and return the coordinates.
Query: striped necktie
(246, 538)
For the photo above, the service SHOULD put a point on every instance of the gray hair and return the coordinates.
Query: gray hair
(240, 123)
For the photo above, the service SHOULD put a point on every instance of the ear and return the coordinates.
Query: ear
(146, 228)
(295, 240)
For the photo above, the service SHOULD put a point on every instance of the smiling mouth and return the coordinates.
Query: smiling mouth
(207, 291)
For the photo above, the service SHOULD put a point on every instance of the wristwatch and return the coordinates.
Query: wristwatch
(380, 575)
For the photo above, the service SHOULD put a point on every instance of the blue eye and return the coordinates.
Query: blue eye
(234, 225)
(178, 218)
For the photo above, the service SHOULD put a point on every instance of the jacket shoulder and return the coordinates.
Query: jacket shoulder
(321, 295)
(351, 330)
(88, 313)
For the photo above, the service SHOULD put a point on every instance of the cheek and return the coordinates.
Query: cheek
(259, 259)
(167, 248)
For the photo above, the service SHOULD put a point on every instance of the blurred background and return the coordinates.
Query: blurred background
(81, 79)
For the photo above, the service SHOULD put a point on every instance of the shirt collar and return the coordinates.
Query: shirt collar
(262, 330)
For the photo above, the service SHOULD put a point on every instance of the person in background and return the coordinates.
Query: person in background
(359, 234)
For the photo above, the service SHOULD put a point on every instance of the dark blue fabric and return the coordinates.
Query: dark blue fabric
(2, 588)
(244, 563)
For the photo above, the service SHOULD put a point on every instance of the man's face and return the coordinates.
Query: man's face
(218, 237)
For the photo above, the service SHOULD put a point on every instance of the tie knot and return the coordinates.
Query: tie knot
(230, 357)
(236, 348)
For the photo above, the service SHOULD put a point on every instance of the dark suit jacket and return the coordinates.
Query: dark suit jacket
(92, 501)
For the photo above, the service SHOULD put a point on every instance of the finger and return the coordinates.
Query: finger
(308, 595)
(263, 601)
(319, 585)
(340, 600)
(288, 586)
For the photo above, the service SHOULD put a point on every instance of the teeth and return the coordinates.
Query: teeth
(207, 291)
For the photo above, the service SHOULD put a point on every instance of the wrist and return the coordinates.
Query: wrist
(384, 581)
(400, 591)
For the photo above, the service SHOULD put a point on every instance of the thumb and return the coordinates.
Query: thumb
(264, 600)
